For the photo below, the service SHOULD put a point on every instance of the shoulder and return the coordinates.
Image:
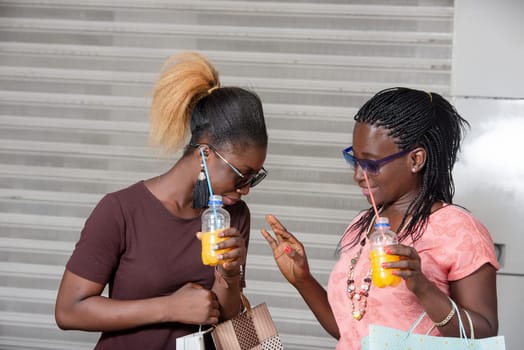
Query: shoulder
(113, 206)
(128, 197)
(137, 189)
(459, 239)
(454, 217)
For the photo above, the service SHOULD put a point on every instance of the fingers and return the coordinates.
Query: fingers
(408, 267)
(214, 301)
(281, 233)
(213, 313)
(270, 240)
(210, 307)
(403, 265)
(231, 242)
(277, 227)
(229, 232)
(232, 251)
(274, 222)
(409, 257)
(278, 251)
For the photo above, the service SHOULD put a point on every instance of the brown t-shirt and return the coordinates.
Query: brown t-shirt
(133, 243)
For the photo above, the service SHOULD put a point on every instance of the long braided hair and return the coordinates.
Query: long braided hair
(417, 118)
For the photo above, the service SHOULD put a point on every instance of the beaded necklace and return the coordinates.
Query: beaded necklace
(359, 299)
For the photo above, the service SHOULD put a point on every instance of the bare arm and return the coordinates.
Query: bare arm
(291, 259)
(80, 306)
(316, 298)
(227, 289)
(477, 293)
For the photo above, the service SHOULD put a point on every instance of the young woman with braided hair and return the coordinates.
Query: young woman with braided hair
(141, 241)
(405, 142)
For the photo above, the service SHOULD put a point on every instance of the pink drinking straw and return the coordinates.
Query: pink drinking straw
(370, 194)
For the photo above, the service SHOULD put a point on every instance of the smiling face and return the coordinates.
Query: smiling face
(224, 180)
(398, 181)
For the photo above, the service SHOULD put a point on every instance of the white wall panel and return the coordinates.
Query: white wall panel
(487, 75)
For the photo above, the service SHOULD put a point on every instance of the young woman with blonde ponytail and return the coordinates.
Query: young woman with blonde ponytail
(141, 241)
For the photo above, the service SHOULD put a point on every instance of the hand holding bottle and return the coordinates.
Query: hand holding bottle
(408, 267)
(221, 244)
(214, 220)
(381, 238)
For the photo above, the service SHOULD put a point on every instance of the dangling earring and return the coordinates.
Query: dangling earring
(201, 191)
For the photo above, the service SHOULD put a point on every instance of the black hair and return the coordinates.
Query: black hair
(229, 116)
(417, 118)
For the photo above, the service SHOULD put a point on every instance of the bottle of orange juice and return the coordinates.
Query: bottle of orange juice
(214, 220)
(381, 237)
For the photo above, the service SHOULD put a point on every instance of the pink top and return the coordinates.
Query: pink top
(454, 245)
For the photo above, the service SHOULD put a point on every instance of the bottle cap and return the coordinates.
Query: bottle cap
(382, 222)
(215, 200)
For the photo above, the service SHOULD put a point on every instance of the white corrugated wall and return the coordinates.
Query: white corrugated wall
(74, 82)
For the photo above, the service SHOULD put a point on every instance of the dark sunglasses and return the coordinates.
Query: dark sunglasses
(244, 180)
(370, 166)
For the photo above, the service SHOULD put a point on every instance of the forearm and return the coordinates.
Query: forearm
(438, 308)
(98, 313)
(228, 289)
(483, 328)
(316, 298)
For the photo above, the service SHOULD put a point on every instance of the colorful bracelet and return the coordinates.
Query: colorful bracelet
(447, 319)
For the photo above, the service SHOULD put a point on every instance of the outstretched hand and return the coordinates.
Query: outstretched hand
(288, 252)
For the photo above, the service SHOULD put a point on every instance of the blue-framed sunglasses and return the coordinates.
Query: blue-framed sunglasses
(370, 166)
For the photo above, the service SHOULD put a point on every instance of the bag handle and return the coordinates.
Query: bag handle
(462, 331)
(472, 329)
(245, 302)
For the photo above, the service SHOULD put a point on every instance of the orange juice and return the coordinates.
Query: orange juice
(383, 277)
(209, 239)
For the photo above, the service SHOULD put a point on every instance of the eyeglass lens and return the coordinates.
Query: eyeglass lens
(370, 166)
(253, 180)
(366, 165)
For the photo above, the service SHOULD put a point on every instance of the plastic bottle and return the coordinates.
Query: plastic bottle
(381, 237)
(214, 220)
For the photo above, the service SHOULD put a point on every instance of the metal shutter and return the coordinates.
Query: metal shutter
(75, 77)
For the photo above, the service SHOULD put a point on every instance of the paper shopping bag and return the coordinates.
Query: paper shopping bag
(252, 329)
(385, 338)
(193, 341)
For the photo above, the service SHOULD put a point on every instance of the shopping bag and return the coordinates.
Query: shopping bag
(253, 329)
(385, 338)
(193, 341)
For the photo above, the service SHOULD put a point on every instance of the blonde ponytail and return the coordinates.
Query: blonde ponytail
(184, 79)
